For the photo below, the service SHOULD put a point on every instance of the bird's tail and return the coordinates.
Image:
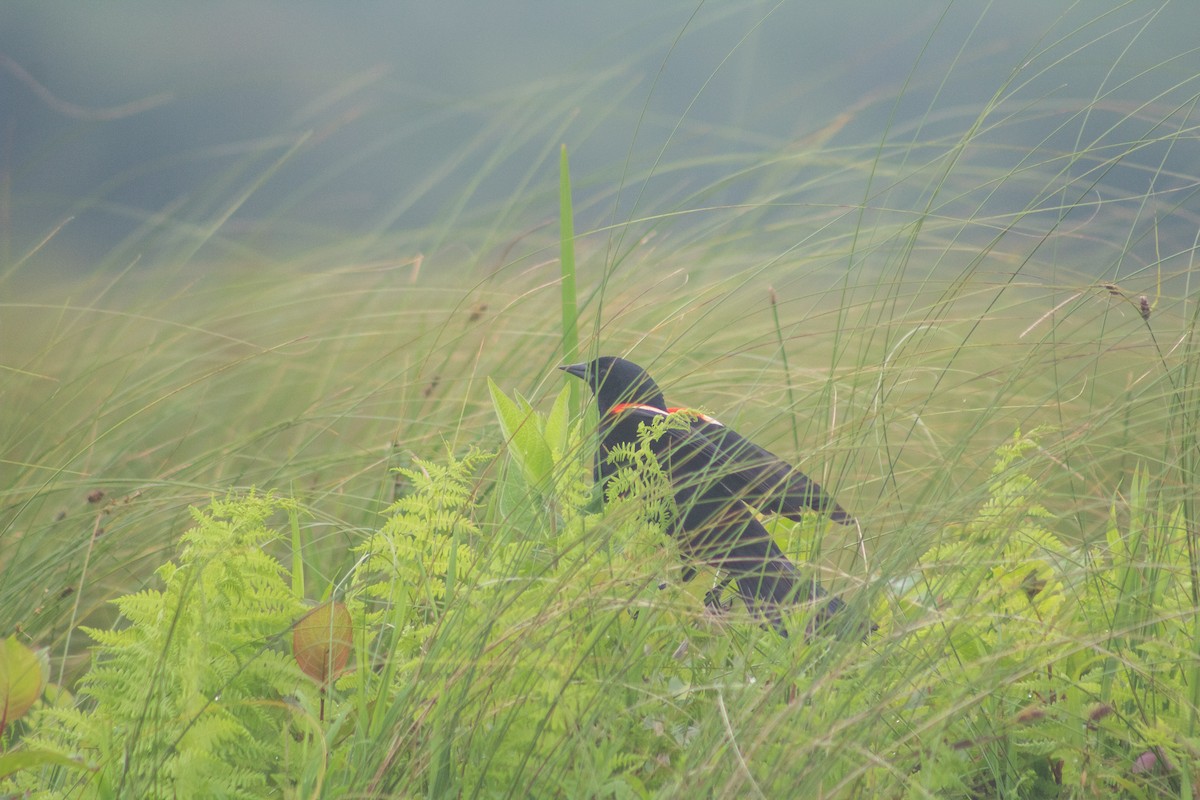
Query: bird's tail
(768, 586)
(737, 544)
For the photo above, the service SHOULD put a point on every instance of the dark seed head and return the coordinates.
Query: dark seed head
(1031, 714)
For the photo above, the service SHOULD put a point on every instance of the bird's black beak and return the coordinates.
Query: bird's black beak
(578, 370)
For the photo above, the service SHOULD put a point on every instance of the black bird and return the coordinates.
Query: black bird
(717, 478)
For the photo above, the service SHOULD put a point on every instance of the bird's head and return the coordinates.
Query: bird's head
(616, 380)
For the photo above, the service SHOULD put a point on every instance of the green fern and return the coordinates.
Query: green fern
(183, 701)
(640, 479)
(408, 570)
(1039, 665)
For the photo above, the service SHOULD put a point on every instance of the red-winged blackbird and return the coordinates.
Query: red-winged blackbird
(716, 477)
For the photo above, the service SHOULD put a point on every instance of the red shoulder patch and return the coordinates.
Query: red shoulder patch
(622, 407)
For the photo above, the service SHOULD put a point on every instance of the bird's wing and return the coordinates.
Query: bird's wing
(715, 453)
(763, 479)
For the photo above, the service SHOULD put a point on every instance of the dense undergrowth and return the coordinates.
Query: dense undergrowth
(975, 327)
(1035, 609)
(510, 641)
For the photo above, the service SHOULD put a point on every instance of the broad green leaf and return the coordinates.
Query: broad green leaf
(558, 422)
(527, 409)
(520, 427)
(30, 759)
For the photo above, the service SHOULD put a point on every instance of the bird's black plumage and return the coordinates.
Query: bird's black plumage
(718, 478)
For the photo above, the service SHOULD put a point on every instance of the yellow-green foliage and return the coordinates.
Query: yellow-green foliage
(408, 570)
(546, 649)
(1028, 665)
(640, 479)
(1004, 567)
(180, 702)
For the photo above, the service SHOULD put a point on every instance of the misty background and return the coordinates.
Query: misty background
(292, 125)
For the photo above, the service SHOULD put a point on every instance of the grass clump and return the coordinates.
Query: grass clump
(544, 648)
(184, 698)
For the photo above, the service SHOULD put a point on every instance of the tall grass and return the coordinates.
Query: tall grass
(886, 314)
